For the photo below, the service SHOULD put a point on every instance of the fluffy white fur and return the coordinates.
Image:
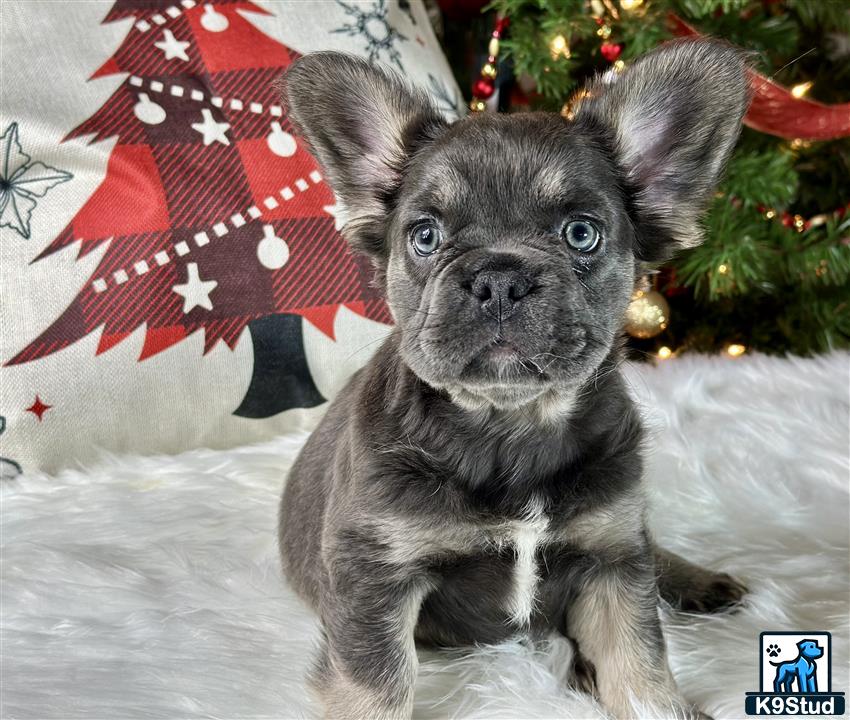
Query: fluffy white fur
(149, 587)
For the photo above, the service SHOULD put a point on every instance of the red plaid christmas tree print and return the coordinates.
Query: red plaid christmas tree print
(214, 212)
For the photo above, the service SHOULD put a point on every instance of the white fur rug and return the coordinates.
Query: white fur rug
(150, 588)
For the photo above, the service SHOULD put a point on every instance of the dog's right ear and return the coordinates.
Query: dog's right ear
(362, 123)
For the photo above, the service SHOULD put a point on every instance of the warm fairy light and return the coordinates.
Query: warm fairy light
(801, 89)
(604, 31)
(619, 66)
(723, 268)
(568, 111)
(770, 214)
(630, 4)
(735, 350)
(558, 47)
(664, 353)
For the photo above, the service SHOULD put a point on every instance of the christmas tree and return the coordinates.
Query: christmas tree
(216, 217)
(773, 273)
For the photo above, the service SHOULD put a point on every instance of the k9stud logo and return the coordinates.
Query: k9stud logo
(795, 676)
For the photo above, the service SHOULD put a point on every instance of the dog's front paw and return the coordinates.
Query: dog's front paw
(715, 592)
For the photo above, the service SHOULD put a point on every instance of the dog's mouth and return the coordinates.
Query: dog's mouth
(503, 362)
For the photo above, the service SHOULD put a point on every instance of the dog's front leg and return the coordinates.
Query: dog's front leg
(614, 620)
(367, 666)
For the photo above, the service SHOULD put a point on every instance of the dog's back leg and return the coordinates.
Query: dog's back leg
(692, 588)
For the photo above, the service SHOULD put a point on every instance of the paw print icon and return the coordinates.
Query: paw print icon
(773, 650)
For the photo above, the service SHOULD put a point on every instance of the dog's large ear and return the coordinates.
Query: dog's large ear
(362, 124)
(673, 118)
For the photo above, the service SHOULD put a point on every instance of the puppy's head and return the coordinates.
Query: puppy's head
(508, 245)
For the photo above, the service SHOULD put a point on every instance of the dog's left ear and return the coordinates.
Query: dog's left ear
(673, 118)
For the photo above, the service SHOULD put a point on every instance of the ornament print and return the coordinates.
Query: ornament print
(21, 182)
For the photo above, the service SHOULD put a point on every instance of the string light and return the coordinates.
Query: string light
(630, 4)
(570, 107)
(664, 353)
(799, 90)
(619, 66)
(735, 350)
(604, 31)
(558, 47)
(723, 268)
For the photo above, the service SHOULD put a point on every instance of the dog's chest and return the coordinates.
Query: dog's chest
(524, 537)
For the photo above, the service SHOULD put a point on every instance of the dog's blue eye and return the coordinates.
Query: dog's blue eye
(581, 235)
(426, 238)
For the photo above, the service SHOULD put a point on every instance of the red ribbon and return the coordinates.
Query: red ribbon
(775, 111)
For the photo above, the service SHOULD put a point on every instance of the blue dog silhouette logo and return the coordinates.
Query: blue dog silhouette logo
(801, 672)
(795, 676)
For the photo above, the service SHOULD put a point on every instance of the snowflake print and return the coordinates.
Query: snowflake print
(447, 99)
(8, 468)
(372, 24)
(21, 182)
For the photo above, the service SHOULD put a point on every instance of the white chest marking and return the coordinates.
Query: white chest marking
(526, 535)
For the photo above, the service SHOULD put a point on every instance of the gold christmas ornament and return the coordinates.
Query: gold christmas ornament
(477, 105)
(647, 315)
(489, 70)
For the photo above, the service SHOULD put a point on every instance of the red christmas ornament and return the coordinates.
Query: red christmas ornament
(611, 51)
(483, 88)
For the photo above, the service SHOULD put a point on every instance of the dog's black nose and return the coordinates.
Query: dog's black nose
(499, 291)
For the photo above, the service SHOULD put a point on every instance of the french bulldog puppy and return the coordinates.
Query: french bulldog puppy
(481, 476)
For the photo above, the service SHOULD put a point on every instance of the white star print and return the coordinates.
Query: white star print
(212, 130)
(196, 292)
(337, 211)
(172, 47)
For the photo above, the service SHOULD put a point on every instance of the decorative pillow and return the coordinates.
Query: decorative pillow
(171, 266)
